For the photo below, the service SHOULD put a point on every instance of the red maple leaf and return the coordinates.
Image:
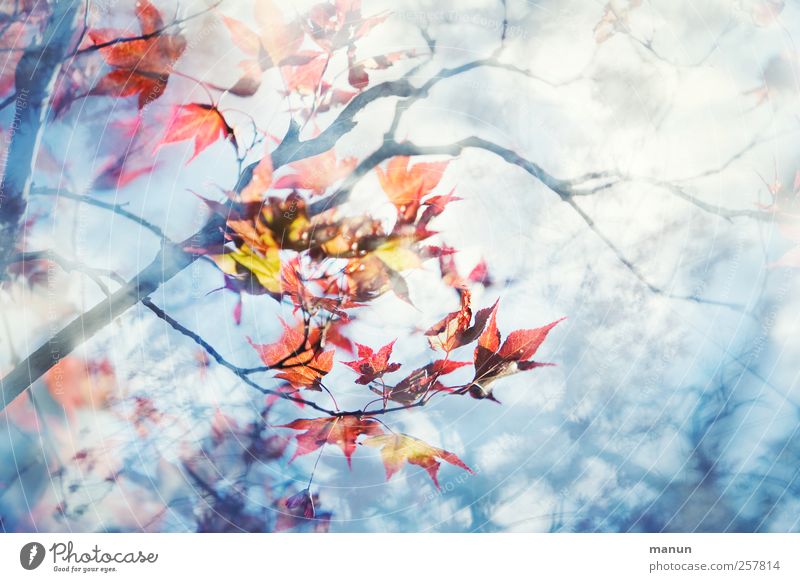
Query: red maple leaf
(494, 361)
(454, 330)
(480, 274)
(298, 356)
(342, 431)
(142, 66)
(372, 365)
(421, 381)
(202, 123)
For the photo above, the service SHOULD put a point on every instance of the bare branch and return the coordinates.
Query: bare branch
(95, 275)
(116, 208)
(242, 373)
(35, 77)
(170, 261)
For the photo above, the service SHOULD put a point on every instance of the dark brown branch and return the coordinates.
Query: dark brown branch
(390, 148)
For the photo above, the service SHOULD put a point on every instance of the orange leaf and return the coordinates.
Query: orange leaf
(202, 123)
(242, 36)
(490, 338)
(310, 372)
(278, 37)
(406, 186)
(454, 330)
(141, 66)
(299, 359)
(317, 173)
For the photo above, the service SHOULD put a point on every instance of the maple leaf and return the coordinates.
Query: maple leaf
(275, 223)
(300, 509)
(494, 361)
(335, 336)
(278, 38)
(317, 173)
(342, 431)
(305, 78)
(434, 206)
(310, 372)
(369, 277)
(294, 510)
(259, 234)
(421, 381)
(202, 123)
(264, 266)
(397, 449)
(348, 238)
(454, 330)
(480, 274)
(142, 66)
(372, 365)
(298, 356)
(406, 186)
(296, 289)
(337, 24)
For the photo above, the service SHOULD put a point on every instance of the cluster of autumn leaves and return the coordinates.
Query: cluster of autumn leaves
(492, 360)
(326, 264)
(329, 264)
(354, 261)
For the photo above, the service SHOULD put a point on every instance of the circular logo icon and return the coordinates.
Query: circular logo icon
(31, 555)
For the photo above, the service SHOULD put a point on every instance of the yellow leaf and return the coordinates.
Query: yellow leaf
(397, 449)
(226, 263)
(398, 255)
(267, 268)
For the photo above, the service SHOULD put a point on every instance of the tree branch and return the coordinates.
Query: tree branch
(35, 77)
(170, 261)
(242, 373)
(116, 208)
(173, 258)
